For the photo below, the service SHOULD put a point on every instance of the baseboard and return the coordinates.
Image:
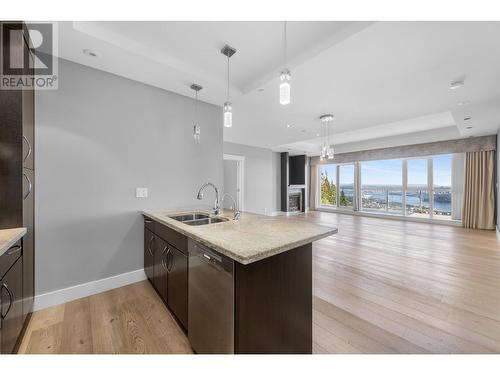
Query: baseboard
(57, 297)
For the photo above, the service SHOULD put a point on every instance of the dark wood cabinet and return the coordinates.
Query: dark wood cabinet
(17, 187)
(273, 304)
(149, 243)
(160, 280)
(166, 266)
(29, 239)
(10, 159)
(178, 284)
(12, 306)
(28, 113)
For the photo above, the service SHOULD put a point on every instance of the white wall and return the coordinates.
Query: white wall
(98, 137)
(261, 178)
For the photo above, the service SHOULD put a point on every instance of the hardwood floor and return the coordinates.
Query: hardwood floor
(127, 320)
(380, 286)
(386, 286)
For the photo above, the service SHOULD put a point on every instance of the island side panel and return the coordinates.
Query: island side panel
(273, 304)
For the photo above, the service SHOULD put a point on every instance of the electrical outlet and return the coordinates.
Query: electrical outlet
(141, 192)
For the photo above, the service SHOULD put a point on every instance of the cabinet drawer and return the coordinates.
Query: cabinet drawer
(149, 224)
(172, 237)
(10, 257)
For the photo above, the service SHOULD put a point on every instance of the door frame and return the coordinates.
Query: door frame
(240, 177)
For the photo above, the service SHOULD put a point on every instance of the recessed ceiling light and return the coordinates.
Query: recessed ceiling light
(467, 118)
(463, 102)
(89, 53)
(456, 85)
(317, 134)
(468, 127)
(288, 126)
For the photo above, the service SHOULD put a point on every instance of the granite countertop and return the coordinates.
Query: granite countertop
(251, 238)
(9, 237)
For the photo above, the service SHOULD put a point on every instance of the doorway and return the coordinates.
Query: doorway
(234, 180)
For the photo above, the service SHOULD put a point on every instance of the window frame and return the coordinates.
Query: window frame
(357, 196)
(337, 192)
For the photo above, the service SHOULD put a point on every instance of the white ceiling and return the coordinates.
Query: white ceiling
(379, 79)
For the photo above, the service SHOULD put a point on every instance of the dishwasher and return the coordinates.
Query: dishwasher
(211, 301)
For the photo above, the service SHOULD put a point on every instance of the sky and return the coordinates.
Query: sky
(389, 172)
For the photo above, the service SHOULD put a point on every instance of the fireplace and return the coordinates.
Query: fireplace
(295, 200)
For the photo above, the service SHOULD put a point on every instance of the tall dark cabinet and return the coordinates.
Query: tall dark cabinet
(293, 182)
(17, 189)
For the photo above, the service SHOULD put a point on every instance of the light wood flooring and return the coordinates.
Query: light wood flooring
(380, 286)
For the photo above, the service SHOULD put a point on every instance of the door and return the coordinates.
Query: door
(234, 180)
(177, 294)
(160, 279)
(149, 242)
(11, 308)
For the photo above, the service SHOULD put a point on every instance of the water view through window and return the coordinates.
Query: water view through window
(426, 193)
(346, 185)
(381, 186)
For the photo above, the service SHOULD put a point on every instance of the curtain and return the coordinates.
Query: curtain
(478, 208)
(313, 191)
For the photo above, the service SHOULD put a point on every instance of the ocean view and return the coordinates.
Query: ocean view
(376, 198)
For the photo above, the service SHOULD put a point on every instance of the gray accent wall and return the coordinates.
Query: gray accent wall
(98, 137)
(261, 178)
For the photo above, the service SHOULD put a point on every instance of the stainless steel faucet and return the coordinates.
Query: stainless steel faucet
(236, 210)
(217, 201)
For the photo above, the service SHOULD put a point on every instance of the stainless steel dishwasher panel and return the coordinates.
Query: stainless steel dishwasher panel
(211, 301)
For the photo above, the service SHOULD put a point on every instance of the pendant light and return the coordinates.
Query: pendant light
(327, 151)
(196, 127)
(227, 108)
(285, 74)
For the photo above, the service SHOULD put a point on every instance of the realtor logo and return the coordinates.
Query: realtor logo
(28, 59)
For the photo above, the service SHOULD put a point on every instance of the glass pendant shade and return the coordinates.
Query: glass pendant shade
(327, 151)
(196, 134)
(285, 87)
(228, 114)
(330, 153)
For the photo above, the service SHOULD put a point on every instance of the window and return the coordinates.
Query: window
(381, 186)
(417, 190)
(442, 203)
(414, 187)
(346, 186)
(337, 185)
(328, 185)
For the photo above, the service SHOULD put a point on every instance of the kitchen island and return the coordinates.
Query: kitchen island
(236, 286)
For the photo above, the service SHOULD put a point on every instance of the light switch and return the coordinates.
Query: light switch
(141, 192)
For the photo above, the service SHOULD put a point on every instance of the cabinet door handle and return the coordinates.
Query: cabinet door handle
(164, 257)
(14, 249)
(148, 221)
(29, 149)
(11, 298)
(149, 245)
(170, 260)
(30, 186)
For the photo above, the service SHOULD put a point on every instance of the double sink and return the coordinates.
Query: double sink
(197, 218)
